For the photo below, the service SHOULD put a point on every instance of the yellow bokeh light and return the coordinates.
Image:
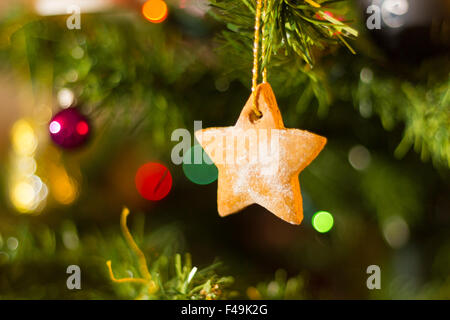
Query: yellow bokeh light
(24, 140)
(27, 191)
(66, 192)
(23, 196)
(25, 166)
(64, 188)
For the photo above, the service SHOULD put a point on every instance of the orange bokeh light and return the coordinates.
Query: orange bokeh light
(155, 10)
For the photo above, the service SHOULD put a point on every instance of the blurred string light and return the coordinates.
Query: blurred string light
(63, 187)
(195, 7)
(82, 128)
(24, 140)
(204, 172)
(322, 221)
(394, 12)
(71, 75)
(153, 181)
(365, 108)
(77, 53)
(396, 232)
(60, 7)
(54, 127)
(12, 243)
(70, 236)
(66, 98)
(222, 84)
(359, 157)
(155, 11)
(366, 75)
(27, 192)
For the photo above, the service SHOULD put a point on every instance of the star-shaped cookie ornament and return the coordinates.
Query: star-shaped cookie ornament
(259, 160)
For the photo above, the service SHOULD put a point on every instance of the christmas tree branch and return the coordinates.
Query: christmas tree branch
(205, 285)
(291, 26)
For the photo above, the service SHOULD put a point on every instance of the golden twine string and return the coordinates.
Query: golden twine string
(256, 57)
(263, 49)
(256, 54)
(142, 262)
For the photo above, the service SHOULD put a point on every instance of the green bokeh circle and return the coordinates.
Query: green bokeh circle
(201, 173)
(322, 221)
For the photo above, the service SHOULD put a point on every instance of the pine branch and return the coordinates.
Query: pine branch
(187, 283)
(291, 26)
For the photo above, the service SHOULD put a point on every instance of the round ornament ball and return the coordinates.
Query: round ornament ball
(69, 129)
(408, 30)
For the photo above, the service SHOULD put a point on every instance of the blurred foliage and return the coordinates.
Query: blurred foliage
(280, 288)
(422, 106)
(162, 283)
(52, 251)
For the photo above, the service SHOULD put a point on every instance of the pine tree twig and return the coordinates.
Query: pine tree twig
(293, 26)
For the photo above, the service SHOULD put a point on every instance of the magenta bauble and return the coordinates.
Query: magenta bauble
(69, 128)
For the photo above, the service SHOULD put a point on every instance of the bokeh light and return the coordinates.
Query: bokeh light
(197, 8)
(200, 173)
(27, 192)
(359, 157)
(365, 108)
(82, 127)
(153, 181)
(24, 139)
(70, 235)
(155, 11)
(23, 195)
(322, 221)
(366, 75)
(66, 97)
(12, 243)
(396, 232)
(63, 188)
(394, 12)
(54, 127)
(26, 166)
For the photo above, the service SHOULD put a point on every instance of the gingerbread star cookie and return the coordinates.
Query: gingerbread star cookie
(259, 160)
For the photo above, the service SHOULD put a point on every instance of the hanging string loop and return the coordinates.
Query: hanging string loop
(256, 54)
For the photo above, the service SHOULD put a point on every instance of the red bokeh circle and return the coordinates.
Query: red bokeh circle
(153, 181)
(82, 128)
